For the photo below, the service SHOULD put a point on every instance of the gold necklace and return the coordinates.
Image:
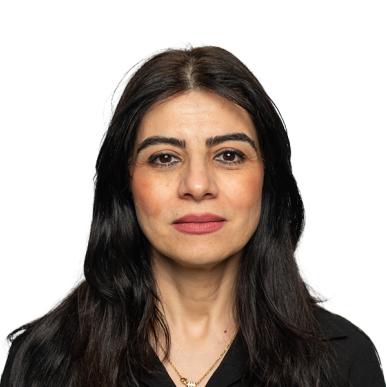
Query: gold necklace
(190, 383)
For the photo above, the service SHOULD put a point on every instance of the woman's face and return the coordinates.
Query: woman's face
(224, 178)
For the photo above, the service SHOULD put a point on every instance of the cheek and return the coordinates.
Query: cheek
(246, 194)
(148, 196)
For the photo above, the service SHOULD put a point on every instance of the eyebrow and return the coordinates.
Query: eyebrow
(210, 141)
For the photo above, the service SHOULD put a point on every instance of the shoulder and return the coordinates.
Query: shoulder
(13, 351)
(36, 355)
(357, 358)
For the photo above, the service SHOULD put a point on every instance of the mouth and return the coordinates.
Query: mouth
(199, 218)
(199, 227)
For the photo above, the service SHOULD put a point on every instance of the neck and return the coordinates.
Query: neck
(197, 302)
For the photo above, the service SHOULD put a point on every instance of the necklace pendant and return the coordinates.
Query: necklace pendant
(188, 383)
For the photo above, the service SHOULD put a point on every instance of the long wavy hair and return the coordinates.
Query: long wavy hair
(98, 335)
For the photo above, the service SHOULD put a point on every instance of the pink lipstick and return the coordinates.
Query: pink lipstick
(199, 223)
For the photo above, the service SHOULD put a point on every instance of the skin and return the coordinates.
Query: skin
(195, 274)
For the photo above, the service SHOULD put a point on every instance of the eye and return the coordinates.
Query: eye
(229, 154)
(162, 157)
(165, 158)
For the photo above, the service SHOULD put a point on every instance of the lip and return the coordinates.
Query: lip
(200, 218)
(199, 227)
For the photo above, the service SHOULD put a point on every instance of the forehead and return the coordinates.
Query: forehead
(195, 113)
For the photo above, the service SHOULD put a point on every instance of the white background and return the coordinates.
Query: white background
(323, 64)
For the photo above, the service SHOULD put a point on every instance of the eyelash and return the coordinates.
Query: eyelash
(156, 156)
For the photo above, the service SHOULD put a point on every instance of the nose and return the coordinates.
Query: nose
(197, 180)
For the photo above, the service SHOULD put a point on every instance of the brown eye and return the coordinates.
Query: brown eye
(230, 155)
(164, 160)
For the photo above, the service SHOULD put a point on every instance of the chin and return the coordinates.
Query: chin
(198, 262)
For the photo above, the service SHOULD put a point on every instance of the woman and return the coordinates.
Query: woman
(190, 276)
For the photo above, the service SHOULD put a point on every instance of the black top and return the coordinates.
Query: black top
(357, 358)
